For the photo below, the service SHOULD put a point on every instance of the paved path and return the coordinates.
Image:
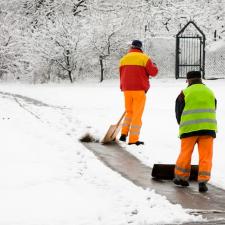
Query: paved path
(211, 204)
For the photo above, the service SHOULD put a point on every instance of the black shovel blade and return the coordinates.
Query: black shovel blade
(166, 172)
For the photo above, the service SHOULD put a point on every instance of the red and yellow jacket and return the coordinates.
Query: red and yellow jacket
(135, 69)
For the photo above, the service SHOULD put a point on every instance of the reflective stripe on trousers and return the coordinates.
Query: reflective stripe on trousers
(126, 124)
(205, 150)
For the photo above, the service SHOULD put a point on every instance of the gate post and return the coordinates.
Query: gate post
(177, 58)
(203, 63)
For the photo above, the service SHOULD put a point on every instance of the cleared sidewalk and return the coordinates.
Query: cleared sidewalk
(211, 204)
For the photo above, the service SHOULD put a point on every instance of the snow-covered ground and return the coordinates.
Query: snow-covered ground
(47, 177)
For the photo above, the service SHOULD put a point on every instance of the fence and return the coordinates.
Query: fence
(215, 60)
(162, 50)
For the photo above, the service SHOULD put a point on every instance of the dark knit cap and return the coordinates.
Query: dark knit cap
(193, 74)
(136, 44)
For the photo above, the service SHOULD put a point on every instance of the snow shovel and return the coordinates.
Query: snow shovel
(166, 172)
(113, 131)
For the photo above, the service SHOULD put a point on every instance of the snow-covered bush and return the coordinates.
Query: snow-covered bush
(12, 47)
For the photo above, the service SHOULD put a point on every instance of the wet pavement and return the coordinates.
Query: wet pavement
(210, 205)
(213, 222)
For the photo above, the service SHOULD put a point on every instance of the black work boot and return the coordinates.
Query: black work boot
(202, 187)
(137, 143)
(183, 183)
(123, 137)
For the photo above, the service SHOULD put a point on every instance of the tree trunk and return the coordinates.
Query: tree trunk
(102, 69)
(68, 65)
(70, 76)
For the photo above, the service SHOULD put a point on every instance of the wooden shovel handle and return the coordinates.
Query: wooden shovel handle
(121, 118)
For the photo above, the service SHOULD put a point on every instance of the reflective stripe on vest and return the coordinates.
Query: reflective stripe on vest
(199, 112)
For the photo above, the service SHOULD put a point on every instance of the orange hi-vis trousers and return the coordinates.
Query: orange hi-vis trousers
(134, 106)
(205, 150)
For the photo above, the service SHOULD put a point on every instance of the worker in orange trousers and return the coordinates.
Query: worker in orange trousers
(135, 70)
(196, 116)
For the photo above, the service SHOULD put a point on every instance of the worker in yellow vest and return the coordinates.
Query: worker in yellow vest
(135, 70)
(196, 116)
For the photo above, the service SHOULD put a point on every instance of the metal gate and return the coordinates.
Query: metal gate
(190, 50)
